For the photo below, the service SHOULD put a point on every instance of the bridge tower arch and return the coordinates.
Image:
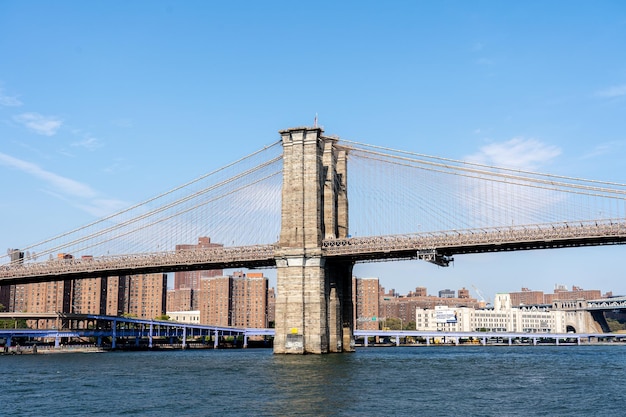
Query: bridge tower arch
(314, 293)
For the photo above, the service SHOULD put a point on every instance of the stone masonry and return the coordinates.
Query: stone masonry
(314, 294)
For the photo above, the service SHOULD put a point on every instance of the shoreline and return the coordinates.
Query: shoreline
(45, 350)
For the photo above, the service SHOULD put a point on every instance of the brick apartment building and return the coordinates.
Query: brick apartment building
(561, 293)
(237, 300)
(191, 279)
(182, 299)
(142, 296)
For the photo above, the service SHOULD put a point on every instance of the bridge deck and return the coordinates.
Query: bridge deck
(357, 249)
(453, 242)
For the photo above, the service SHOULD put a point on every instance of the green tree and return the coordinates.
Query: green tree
(13, 324)
(393, 323)
(163, 317)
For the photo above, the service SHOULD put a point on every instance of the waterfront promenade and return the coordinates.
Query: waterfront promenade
(131, 334)
(108, 331)
(485, 338)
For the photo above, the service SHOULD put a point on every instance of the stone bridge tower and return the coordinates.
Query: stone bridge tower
(314, 294)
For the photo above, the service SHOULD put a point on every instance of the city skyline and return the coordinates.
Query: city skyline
(94, 119)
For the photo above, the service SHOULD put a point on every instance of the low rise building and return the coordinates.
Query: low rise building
(392, 305)
(503, 317)
(190, 317)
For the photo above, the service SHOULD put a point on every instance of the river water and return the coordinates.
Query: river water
(407, 381)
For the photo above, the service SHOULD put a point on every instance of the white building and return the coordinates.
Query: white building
(502, 318)
(189, 317)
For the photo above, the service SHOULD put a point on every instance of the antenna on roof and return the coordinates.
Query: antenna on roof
(315, 121)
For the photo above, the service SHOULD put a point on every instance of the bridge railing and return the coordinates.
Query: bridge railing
(159, 260)
(615, 303)
(374, 247)
(548, 234)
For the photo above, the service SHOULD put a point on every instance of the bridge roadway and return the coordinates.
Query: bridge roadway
(436, 247)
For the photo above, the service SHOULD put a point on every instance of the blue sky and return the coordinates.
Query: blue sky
(103, 104)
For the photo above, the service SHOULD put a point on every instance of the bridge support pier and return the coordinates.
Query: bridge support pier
(313, 306)
(313, 293)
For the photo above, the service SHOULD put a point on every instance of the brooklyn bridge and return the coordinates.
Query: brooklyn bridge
(312, 206)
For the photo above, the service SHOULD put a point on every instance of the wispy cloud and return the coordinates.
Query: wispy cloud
(74, 192)
(42, 125)
(84, 139)
(9, 101)
(119, 165)
(102, 207)
(527, 204)
(612, 92)
(602, 149)
(520, 153)
(61, 184)
(89, 143)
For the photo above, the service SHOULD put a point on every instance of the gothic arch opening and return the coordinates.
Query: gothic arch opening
(570, 329)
